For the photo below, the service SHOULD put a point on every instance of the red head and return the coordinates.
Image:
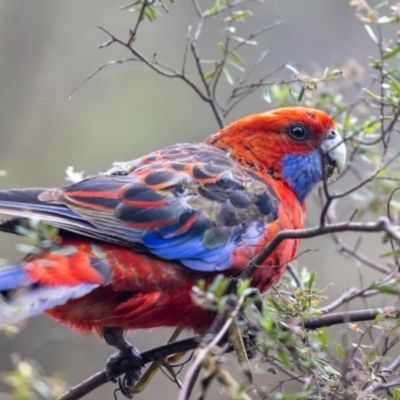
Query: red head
(285, 144)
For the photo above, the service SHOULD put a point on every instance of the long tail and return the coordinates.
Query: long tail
(44, 283)
(25, 203)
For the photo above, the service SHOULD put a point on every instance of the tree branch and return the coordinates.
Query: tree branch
(100, 378)
(382, 225)
(350, 316)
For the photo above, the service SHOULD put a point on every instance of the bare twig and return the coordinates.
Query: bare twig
(350, 316)
(382, 225)
(93, 74)
(359, 257)
(183, 394)
(294, 275)
(388, 371)
(100, 378)
(347, 296)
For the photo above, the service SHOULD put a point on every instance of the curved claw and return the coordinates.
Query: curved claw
(130, 355)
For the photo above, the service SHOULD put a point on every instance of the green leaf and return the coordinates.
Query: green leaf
(268, 324)
(283, 357)
(237, 58)
(372, 95)
(334, 74)
(131, 6)
(291, 68)
(214, 10)
(379, 318)
(384, 20)
(391, 53)
(301, 94)
(371, 33)
(245, 41)
(222, 47)
(228, 76)
(150, 13)
(266, 94)
(393, 253)
(201, 284)
(274, 304)
(213, 288)
(311, 280)
(222, 287)
(371, 127)
(329, 369)
(323, 336)
(25, 248)
(242, 286)
(395, 85)
(9, 330)
(372, 355)
(210, 75)
(241, 15)
(236, 338)
(241, 69)
(396, 394)
(340, 350)
(386, 289)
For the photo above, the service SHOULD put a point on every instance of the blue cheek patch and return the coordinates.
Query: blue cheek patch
(302, 172)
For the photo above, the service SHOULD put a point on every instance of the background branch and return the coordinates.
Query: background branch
(312, 323)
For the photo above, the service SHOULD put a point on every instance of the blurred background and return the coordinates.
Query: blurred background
(48, 47)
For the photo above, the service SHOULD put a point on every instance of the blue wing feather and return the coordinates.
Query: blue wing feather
(190, 203)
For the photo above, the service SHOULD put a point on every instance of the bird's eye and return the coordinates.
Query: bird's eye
(297, 132)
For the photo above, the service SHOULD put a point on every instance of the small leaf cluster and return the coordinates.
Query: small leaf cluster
(28, 382)
(148, 9)
(39, 235)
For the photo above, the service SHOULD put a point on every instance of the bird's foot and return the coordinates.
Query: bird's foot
(132, 357)
(126, 354)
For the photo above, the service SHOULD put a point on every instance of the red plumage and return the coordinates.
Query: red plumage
(134, 241)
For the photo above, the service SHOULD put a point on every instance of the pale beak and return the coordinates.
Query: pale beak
(335, 150)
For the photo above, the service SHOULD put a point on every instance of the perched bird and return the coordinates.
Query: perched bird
(133, 241)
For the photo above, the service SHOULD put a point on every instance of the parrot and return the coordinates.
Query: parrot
(133, 241)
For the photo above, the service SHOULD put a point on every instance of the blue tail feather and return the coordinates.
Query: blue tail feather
(38, 300)
(13, 277)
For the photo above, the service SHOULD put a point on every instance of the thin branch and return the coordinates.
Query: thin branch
(139, 20)
(350, 316)
(381, 386)
(396, 256)
(93, 74)
(293, 274)
(209, 99)
(382, 225)
(187, 383)
(366, 180)
(100, 378)
(359, 257)
(164, 71)
(392, 367)
(347, 296)
(329, 198)
(385, 373)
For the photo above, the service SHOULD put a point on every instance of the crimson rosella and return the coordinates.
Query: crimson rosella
(134, 240)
